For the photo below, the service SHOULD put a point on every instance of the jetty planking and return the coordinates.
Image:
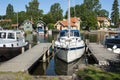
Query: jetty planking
(102, 55)
(24, 61)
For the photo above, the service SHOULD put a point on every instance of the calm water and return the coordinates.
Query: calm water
(55, 66)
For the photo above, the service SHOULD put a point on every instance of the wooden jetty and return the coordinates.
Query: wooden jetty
(24, 61)
(102, 55)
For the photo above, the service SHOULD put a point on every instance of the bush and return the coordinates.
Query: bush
(93, 73)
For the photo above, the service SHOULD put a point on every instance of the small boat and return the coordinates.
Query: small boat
(110, 41)
(69, 46)
(11, 43)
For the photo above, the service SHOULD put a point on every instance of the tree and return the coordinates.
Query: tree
(88, 18)
(9, 11)
(32, 10)
(21, 17)
(115, 12)
(92, 5)
(48, 18)
(56, 12)
(103, 13)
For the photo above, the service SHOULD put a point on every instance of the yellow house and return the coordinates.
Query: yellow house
(74, 23)
(103, 22)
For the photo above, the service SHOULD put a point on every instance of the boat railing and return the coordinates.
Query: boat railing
(68, 43)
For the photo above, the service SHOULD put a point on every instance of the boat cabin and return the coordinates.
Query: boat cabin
(11, 35)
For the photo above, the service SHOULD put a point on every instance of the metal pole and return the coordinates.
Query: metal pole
(69, 16)
(17, 20)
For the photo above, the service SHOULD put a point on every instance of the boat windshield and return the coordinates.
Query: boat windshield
(2, 35)
(63, 33)
(72, 33)
(76, 34)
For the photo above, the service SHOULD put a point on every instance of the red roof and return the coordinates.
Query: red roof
(14, 25)
(102, 18)
(72, 21)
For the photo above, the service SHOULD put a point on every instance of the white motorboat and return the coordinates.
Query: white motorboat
(11, 43)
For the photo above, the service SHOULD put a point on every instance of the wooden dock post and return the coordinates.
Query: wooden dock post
(30, 46)
(44, 57)
(52, 44)
(87, 41)
(53, 47)
(48, 52)
(23, 49)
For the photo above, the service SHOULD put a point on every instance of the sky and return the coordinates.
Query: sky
(19, 5)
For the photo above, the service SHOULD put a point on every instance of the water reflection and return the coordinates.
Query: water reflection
(63, 68)
(33, 39)
(57, 67)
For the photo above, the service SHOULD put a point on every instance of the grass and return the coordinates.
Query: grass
(87, 73)
(93, 73)
(22, 76)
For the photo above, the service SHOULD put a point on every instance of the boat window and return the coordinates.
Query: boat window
(11, 36)
(2, 35)
(62, 34)
(76, 34)
(18, 35)
(71, 34)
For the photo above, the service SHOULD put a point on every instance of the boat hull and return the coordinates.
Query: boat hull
(69, 55)
(7, 53)
(111, 42)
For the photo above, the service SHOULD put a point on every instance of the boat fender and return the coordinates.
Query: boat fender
(4, 45)
(11, 45)
(17, 44)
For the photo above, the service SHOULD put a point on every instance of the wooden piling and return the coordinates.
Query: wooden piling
(44, 57)
(23, 49)
(30, 46)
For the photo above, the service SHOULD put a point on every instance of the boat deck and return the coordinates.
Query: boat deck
(25, 60)
(102, 55)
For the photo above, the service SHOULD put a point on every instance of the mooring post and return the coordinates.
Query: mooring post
(48, 52)
(29, 46)
(44, 57)
(44, 67)
(52, 47)
(23, 49)
(87, 41)
(38, 42)
(52, 44)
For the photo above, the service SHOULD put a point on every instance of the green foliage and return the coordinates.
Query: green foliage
(33, 11)
(56, 12)
(28, 32)
(103, 13)
(9, 11)
(50, 26)
(5, 25)
(93, 73)
(115, 12)
(92, 5)
(48, 18)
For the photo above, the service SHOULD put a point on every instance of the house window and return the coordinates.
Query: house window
(27, 27)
